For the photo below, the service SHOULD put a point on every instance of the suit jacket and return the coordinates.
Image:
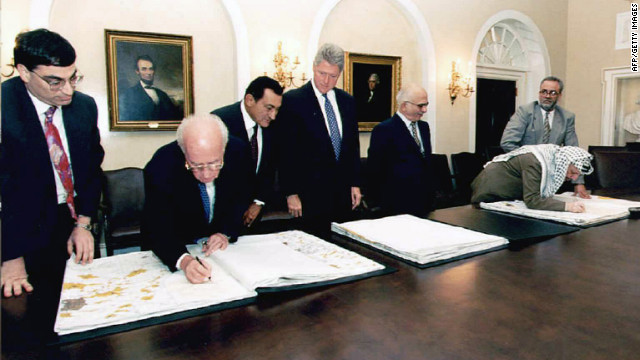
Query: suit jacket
(515, 179)
(526, 127)
(135, 104)
(29, 200)
(262, 182)
(174, 215)
(400, 178)
(307, 162)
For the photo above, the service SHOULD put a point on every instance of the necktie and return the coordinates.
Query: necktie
(59, 158)
(414, 133)
(254, 146)
(547, 129)
(206, 202)
(152, 94)
(334, 132)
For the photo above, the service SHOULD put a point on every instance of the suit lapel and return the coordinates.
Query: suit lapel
(557, 128)
(318, 124)
(403, 129)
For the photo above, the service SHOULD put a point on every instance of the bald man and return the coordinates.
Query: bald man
(195, 188)
(399, 161)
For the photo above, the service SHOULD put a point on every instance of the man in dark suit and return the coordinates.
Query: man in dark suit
(50, 160)
(189, 195)
(320, 149)
(249, 121)
(374, 104)
(144, 101)
(544, 122)
(399, 162)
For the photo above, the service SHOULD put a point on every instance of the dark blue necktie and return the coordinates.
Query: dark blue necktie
(205, 200)
(334, 132)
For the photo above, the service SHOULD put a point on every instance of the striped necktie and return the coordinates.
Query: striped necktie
(414, 133)
(547, 129)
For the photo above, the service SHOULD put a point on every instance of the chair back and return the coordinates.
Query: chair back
(466, 166)
(123, 198)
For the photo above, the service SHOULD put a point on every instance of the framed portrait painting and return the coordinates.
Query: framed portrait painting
(374, 81)
(150, 80)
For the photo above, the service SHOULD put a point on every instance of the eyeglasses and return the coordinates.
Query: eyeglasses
(550, 93)
(212, 166)
(55, 83)
(419, 105)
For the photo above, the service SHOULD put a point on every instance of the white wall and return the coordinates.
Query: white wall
(375, 26)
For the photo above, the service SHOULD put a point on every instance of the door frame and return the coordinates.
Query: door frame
(497, 73)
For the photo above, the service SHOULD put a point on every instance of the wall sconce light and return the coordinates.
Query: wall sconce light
(459, 84)
(284, 69)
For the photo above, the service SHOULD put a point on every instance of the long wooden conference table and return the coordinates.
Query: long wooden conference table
(574, 296)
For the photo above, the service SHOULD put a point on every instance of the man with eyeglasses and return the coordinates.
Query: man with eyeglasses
(320, 148)
(50, 159)
(250, 120)
(195, 187)
(544, 122)
(399, 162)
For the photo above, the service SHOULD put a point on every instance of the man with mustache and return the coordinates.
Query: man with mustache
(544, 122)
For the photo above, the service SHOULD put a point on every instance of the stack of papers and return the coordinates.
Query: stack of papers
(419, 240)
(285, 259)
(598, 210)
(131, 287)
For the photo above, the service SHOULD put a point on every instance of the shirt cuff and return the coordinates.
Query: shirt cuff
(180, 260)
(258, 202)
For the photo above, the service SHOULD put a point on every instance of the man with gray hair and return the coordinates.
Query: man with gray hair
(544, 122)
(320, 149)
(374, 104)
(195, 188)
(399, 162)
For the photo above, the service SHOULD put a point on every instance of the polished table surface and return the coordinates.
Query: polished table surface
(575, 296)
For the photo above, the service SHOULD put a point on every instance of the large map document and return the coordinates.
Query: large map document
(131, 287)
(419, 241)
(290, 258)
(598, 210)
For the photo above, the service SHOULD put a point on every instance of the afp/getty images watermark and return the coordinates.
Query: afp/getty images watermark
(634, 37)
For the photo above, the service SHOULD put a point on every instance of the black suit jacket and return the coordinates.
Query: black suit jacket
(307, 162)
(29, 200)
(173, 214)
(400, 177)
(262, 182)
(135, 104)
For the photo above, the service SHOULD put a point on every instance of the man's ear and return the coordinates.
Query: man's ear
(249, 100)
(25, 75)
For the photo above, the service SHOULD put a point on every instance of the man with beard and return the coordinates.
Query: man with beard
(144, 101)
(544, 122)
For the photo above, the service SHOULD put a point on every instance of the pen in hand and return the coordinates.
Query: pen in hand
(200, 262)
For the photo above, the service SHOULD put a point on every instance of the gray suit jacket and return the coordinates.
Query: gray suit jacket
(526, 127)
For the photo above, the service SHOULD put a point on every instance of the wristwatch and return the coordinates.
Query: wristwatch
(87, 227)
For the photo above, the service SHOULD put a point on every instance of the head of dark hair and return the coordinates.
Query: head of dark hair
(42, 47)
(143, 57)
(257, 86)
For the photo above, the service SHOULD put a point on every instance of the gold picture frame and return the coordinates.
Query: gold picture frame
(377, 104)
(150, 80)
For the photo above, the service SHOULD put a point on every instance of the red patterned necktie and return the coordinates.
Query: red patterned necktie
(59, 158)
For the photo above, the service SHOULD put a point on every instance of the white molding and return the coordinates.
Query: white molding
(39, 13)
(527, 89)
(610, 77)
(243, 55)
(497, 73)
(426, 50)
